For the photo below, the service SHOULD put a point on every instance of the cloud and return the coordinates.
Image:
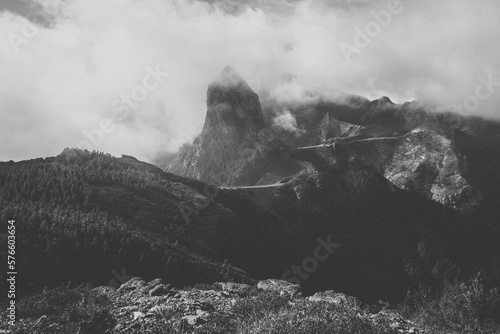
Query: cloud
(67, 78)
(287, 121)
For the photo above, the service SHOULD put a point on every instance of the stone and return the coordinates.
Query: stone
(104, 289)
(157, 281)
(233, 287)
(280, 286)
(139, 315)
(132, 284)
(324, 296)
(159, 290)
(331, 296)
(119, 327)
(200, 317)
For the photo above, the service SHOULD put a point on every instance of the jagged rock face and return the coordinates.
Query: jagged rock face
(430, 164)
(422, 162)
(332, 128)
(381, 109)
(235, 146)
(410, 145)
(233, 108)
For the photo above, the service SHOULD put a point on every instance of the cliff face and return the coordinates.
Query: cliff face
(431, 165)
(422, 161)
(235, 146)
(233, 108)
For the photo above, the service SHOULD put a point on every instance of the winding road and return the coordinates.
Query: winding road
(346, 142)
(308, 167)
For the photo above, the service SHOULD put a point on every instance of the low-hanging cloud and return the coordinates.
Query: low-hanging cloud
(287, 122)
(65, 80)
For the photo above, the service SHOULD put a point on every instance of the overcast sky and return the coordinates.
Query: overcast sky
(100, 67)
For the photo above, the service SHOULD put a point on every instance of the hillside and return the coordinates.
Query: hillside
(81, 215)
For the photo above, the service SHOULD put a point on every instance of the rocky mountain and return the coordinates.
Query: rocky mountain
(235, 146)
(401, 187)
(411, 146)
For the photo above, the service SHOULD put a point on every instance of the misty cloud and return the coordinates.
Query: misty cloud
(65, 79)
(287, 122)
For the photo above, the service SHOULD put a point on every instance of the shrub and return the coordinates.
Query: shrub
(98, 323)
(63, 310)
(312, 317)
(55, 302)
(260, 303)
(466, 307)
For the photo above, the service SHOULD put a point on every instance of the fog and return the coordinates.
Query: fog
(130, 77)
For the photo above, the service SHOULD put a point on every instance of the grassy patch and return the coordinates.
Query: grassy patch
(462, 308)
(311, 317)
(66, 310)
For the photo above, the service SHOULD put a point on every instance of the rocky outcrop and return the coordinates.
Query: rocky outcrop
(235, 146)
(430, 164)
(209, 309)
(233, 108)
(380, 110)
(422, 161)
(279, 286)
(331, 127)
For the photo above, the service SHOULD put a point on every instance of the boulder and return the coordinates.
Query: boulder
(159, 290)
(331, 296)
(132, 284)
(153, 283)
(233, 287)
(280, 286)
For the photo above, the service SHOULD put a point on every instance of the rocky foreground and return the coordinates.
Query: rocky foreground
(272, 306)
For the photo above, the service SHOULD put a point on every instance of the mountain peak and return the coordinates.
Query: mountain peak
(231, 102)
(383, 100)
(229, 78)
(234, 122)
(229, 71)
